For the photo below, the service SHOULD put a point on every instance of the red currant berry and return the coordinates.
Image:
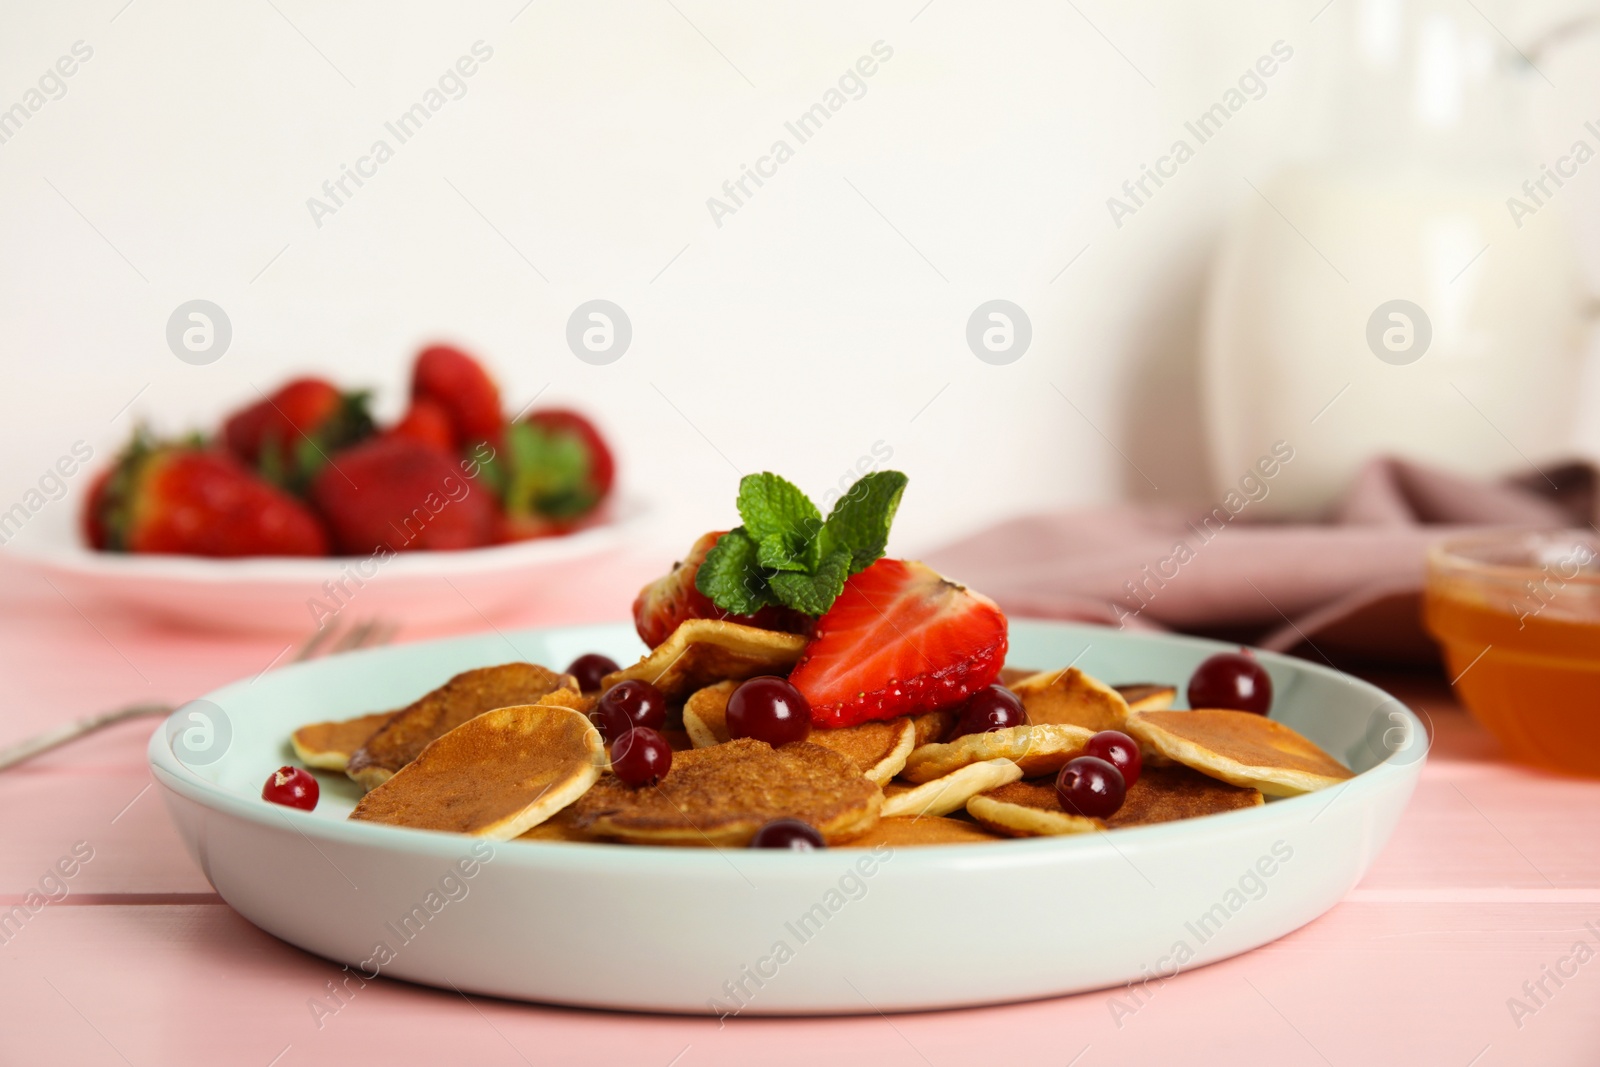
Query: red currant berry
(641, 756)
(791, 834)
(769, 709)
(291, 787)
(993, 708)
(626, 705)
(590, 670)
(1231, 680)
(1091, 787)
(1119, 750)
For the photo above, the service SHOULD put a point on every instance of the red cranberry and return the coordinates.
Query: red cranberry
(641, 757)
(1091, 787)
(1119, 750)
(769, 709)
(626, 705)
(1231, 680)
(292, 787)
(791, 834)
(993, 708)
(590, 670)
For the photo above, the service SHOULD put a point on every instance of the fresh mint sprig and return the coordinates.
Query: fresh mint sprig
(787, 554)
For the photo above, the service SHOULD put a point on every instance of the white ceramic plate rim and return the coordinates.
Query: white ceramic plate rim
(1400, 764)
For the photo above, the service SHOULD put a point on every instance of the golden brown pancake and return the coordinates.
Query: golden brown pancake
(878, 748)
(1010, 674)
(1239, 747)
(1147, 696)
(1036, 749)
(722, 795)
(559, 827)
(932, 726)
(705, 714)
(496, 775)
(1030, 808)
(1023, 809)
(463, 697)
(701, 652)
(1073, 698)
(1166, 794)
(951, 792)
(910, 832)
(328, 746)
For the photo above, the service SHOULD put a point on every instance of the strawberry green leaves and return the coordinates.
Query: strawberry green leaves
(787, 554)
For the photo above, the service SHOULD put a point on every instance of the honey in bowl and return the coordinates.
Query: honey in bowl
(1518, 617)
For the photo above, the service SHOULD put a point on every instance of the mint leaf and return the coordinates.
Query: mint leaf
(786, 554)
(773, 507)
(777, 554)
(815, 593)
(732, 576)
(860, 520)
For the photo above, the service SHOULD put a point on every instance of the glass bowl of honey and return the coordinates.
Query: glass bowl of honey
(1517, 614)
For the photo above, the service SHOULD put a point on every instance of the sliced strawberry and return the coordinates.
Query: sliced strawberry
(673, 598)
(167, 498)
(459, 384)
(899, 640)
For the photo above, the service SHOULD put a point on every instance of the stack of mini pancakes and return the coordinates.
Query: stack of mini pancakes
(508, 751)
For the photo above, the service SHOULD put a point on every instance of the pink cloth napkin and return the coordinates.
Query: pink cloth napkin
(1348, 589)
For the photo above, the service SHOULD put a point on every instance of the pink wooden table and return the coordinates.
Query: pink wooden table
(1486, 893)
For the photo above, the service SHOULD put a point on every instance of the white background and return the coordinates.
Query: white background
(826, 315)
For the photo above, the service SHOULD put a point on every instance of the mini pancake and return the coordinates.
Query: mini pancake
(701, 652)
(1162, 794)
(328, 746)
(705, 714)
(879, 749)
(951, 792)
(1036, 749)
(910, 832)
(1147, 696)
(496, 775)
(463, 697)
(932, 726)
(1014, 674)
(720, 796)
(1071, 697)
(1239, 747)
(559, 827)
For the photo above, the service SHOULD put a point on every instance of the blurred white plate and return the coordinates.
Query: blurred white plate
(838, 930)
(280, 595)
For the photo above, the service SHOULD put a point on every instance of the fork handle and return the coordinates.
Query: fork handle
(26, 750)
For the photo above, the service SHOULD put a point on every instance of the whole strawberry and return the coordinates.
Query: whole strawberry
(427, 422)
(554, 470)
(398, 493)
(170, 498)
(288, 436)
(459, 385)
(673, 598)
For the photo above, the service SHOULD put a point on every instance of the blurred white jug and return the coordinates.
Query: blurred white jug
(1418, 293)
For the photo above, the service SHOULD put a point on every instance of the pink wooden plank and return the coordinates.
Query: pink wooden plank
(1415, 983)
(120, 816)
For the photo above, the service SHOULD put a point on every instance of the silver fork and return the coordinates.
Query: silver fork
(327, 640)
